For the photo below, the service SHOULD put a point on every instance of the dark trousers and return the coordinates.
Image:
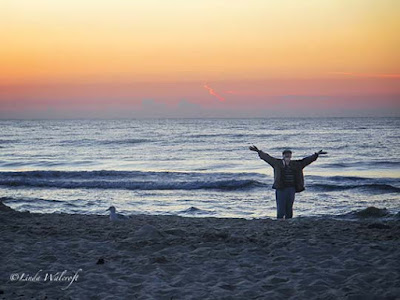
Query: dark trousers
(284, 202)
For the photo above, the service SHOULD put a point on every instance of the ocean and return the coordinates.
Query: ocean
(197, 167)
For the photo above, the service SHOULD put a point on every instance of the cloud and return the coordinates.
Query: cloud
(211, 91)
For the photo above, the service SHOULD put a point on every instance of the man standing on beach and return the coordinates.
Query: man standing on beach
(288, 178)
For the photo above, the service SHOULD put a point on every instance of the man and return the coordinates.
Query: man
(288, 178)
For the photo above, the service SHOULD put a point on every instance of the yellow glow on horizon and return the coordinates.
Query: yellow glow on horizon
(47, 40)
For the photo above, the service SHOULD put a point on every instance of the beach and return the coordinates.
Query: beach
(75, 256)
(199, 150)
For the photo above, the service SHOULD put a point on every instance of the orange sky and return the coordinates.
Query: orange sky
(114, 55)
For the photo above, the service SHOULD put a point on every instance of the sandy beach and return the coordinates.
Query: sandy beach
(66, 256)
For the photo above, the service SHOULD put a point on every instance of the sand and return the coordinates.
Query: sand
(171, 257)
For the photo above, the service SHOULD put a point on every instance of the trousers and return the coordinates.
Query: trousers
(284, 202)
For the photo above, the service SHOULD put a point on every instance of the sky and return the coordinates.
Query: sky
(208, 58)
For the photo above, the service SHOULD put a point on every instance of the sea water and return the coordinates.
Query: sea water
(197, 167)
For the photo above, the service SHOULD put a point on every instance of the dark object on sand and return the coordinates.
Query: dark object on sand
(372, 212)
(160, 259)
(100, 261)
(4, 207)
(378, 226)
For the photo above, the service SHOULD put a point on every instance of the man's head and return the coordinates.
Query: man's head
(287, 155)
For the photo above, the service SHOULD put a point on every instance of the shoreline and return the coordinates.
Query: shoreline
(175, 257)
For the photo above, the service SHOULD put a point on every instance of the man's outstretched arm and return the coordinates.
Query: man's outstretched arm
(309, 159)
(264, 156)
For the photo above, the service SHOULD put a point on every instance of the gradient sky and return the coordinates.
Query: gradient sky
(198, 58)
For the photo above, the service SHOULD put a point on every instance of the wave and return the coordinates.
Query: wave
(124, 141)
(355, 164)
(341, 178)
(294, 149)
(341, 183)
(151, 180)
(138, 185)
(45, 163)
(231, 135)
(384, 188)
(36, 200)
(89, 142)
(3, 141)
(115, 173)
(24, 163)
(131, 180)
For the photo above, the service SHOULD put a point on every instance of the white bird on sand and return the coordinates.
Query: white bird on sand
(114, 216)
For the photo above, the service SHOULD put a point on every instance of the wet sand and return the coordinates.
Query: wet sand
(171, 257)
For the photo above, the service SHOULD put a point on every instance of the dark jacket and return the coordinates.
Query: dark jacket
(296, 164)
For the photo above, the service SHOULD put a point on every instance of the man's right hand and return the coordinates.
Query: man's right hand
(254, 148)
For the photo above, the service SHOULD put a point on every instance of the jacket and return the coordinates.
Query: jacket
(296, 164)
